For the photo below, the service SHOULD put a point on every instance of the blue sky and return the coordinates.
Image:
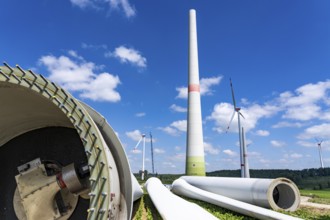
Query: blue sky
(128, 60)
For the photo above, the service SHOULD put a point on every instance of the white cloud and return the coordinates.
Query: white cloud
(230, 152)
(205, 87)
(159, 151)
(169, 164)
(253, 154)
(182, 92)
(140, 114)
(177, 108)
(134, 135)
(264, 161)
(102, 88)
(262, 133)
(94, 47)
(316, 131)
(306, 144)
(285, 124)
(180, 125)
(136, 151)
(207, 83)
(276, 143)
(296, 155)
(222, 113)
(177, 148)
(304, 103)
(303, 112)
(175, 128)
(128, 55)
(169, 130)
(121, 5)
(208, 148)
(77, 75)
(179, 157)
(82, 3)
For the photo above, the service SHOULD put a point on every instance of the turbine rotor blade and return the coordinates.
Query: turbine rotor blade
(241, 115)
(136, 146)
(231, 119)
(232, 93)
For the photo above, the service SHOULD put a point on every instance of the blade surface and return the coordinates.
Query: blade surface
(231, 119)
(232, 93)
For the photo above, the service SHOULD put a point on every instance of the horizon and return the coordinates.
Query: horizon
(129, 61)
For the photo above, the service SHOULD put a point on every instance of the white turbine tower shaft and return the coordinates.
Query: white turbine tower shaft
(143, 137)
(245, 156)
(195, 162)
(319, 145)
(244, 172)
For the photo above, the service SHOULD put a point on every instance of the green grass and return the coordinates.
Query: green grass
(145, 210)
(318, 196)
(219, 212)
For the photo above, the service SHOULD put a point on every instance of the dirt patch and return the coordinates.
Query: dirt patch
(305, 202)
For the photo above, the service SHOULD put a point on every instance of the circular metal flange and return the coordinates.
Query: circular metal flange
(95, 147)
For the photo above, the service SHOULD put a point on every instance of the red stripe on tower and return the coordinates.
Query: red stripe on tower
(194, 88)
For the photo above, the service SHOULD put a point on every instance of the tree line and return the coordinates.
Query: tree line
(314, 178)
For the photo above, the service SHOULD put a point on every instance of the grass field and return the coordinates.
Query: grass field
(145, 210)
(318, 196)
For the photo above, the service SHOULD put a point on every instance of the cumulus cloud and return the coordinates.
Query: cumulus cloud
(94, 46)
(182, 92)
(276, 143)
(177, 108)
(134, 135)
(159, 151)
(304, 103)
(306, 143)
(140, 114)
(222, 113)
(205, 87)
(207, 83)
(136, 151)
(316, 131)
(230, 152)
(262, 133)
(178, 157)
(128, 55)
(254, 154)
(77, 75)
(286, 124)
(296, 155)
(119, 5)
(82, 3)
(175, 128)
(208, 148)
(169, 164)
(123, 5)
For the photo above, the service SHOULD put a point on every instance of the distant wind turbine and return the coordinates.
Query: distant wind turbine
(245, 156)
(143, 137)
(319, 144)
(239, 114)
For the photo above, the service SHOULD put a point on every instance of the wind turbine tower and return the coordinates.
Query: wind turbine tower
(319, 145)
(241, 147)
(245, 156)
(143, 137)
(195, 164)
(152, 154)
